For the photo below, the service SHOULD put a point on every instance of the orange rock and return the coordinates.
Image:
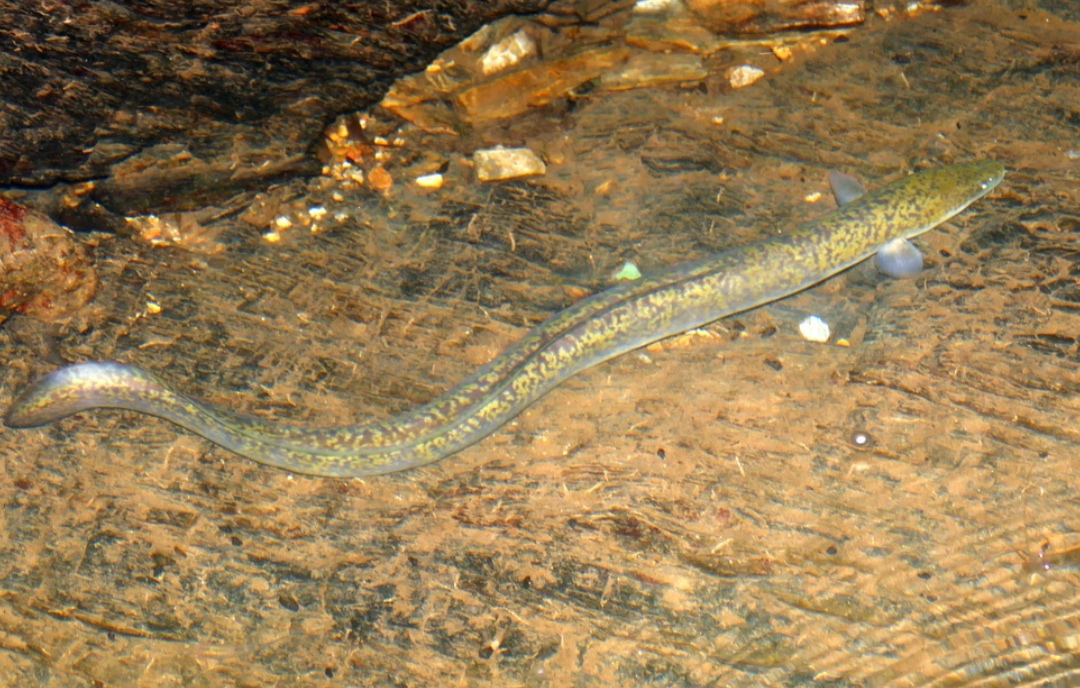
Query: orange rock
(44, 272)
(380, 179)
(512, 93)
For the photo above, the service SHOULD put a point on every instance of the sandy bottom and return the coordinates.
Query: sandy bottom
(695, 514)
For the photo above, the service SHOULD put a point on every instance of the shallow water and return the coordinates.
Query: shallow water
(694, 514)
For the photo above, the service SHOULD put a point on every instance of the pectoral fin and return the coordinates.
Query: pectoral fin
(899, 258)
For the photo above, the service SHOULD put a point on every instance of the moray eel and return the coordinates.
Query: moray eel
(592, 330)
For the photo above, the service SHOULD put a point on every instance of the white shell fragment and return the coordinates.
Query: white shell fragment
(493, 164)
(430, 181)
(507, 52)
(744, 75)
(814, 329)
(628, 272)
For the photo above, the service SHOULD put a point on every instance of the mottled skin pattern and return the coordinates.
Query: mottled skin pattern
(595, 329)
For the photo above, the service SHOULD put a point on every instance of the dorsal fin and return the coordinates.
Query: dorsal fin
(845, 188)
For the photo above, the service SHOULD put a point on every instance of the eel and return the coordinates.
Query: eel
(599, 327)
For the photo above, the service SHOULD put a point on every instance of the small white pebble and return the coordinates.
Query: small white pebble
(430, 181)
(282, 222)
(652, 6)
(861, 439)
(316, 212)
(744, 75)
(496, 164)
(507, 52)
(814, 329)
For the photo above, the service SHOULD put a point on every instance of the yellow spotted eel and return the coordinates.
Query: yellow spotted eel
(592, 330)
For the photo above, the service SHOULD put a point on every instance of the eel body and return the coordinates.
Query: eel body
(604, 325)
